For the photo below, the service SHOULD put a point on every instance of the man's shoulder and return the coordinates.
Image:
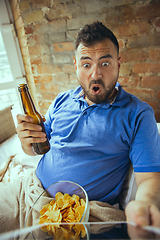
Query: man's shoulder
(129, 100)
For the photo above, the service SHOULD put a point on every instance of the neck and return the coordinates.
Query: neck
(113, 94)
(111, 97)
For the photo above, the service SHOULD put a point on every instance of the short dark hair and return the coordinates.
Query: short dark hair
(93, 33)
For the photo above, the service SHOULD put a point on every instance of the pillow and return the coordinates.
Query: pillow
(7, 127)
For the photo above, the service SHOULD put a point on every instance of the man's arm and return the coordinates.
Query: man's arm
(145, 210)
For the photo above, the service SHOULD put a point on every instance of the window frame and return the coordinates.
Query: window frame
(12, 48)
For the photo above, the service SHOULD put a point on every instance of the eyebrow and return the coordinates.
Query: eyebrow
(105, 56)
(84, 58)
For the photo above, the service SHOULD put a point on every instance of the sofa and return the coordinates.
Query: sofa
(10, 146)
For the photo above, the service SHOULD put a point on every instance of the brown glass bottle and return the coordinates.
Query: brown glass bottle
(29, 109)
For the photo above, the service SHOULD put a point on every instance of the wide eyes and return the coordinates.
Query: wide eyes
(104, 64)
(86, 65)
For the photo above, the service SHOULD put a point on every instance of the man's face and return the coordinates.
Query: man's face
(97, 69)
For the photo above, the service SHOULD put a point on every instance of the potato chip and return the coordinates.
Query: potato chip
(63, 209)
(45, 208)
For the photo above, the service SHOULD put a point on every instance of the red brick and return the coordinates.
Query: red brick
(133, 55)
(48, 87)
(35, 50)
(158, 94)
(128, 81)
(33, 17)
(57, 25)
(50, 69)
(23, 6)
(127, 13)
(148, 11)
(39, 38)
(61, 78)
(34, 69)
(146, 68)
(128, 29)
(64, 46)
(73, 80)
(157, 23)
(42, 28)
(154, 55)
(35, 79)
(45, 49)
(121, 44)
(151, 81)
(153, 104)
(135, 28)
(44, 104)
(48, 95)
(47, 59)
(126, 68)
(140, 92)
(37, 61)
(43, 79)
(40, 3)
(144, 27)
(68, 68)
(143, 41)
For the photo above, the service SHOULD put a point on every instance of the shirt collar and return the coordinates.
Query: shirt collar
(119, 100)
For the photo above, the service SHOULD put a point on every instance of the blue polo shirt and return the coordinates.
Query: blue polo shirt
(93, 145)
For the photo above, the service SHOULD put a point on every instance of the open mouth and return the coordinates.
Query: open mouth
(96, 89)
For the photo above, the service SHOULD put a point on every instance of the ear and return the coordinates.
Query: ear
(119, 62)
(75, 64)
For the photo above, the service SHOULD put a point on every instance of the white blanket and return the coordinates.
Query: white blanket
(20, 188)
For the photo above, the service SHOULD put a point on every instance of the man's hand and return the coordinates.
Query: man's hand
(29, 133)
(142, 214)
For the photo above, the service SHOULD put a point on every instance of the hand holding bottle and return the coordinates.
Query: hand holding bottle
(29, 133)
(31, 130)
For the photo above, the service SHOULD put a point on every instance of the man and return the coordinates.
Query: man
(97, 129)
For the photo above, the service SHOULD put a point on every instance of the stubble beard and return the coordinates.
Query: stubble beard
(101, 97)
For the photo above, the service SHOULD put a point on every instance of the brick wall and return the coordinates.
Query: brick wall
(47, 28)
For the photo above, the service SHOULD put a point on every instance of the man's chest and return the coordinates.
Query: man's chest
(100, 128)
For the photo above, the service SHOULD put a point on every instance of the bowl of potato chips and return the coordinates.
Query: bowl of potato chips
(61, 212)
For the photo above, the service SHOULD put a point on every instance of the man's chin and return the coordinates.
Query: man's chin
(97, 99)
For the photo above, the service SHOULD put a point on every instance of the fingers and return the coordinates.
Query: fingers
(138, 212)
(24, 118)
(136, 232)
(28, 132)
(36, 136)
(142, 214)
(155, 216)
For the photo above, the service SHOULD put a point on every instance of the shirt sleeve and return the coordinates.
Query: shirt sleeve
(145, 147)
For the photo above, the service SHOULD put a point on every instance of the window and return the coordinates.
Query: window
(11, 66)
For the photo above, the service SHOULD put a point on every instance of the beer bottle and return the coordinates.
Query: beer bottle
(29, 109)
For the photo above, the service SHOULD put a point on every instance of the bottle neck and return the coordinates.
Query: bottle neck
(28, 105)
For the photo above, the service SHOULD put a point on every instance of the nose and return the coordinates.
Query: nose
(96, 72)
